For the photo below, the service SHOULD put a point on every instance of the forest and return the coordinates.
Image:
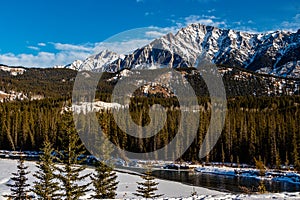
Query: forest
(261, 122)
(261, 128)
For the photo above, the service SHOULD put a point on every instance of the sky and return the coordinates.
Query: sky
(36, 33)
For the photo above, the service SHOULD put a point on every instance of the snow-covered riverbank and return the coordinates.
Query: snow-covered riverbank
(127, 185)
(271, 175)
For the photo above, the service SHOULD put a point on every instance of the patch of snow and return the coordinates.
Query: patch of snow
(291, 177)
(14, 71)
(12, 96)
(85, 107)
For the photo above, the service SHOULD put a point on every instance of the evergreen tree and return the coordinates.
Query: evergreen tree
(19, 189)
(147, 188)
(261, 187)
(46, 187)
(295, 153)
(104, 181)
(260, 166)
(70, 172)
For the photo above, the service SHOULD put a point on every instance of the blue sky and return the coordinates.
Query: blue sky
(55, 32)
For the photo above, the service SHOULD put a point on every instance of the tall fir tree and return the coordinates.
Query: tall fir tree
(147, 188)
(46, 187)
(70, 174)
(19, 190)
(104, 181)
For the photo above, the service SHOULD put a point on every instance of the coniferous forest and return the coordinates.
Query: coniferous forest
(257, 127)
(265, 128)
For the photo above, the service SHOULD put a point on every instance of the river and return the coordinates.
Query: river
(223, 183)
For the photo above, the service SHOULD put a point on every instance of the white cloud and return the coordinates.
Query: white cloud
(157, 32)
(67, 53)
(154, 34)
(292, 25)
(42, 59)
(205, 20)
(124, 47)
(165, 30)
(71, 47)
(33, 48)
(41, 44)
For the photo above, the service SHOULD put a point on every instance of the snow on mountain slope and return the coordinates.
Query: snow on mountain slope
(12, 70)
(74, 65)
(96, 62)
(276, 53)
(11, 96)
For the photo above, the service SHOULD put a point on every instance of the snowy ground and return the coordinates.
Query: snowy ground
(127, 185)
(271, 175)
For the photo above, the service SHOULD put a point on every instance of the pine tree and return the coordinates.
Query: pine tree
(104, 181)
(295, 152)
(46, 187)
(69, 173)
(19, 189)
(260, 166)
(147, 188)
(261, 187)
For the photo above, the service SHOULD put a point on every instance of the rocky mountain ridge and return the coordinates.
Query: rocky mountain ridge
(276, 53)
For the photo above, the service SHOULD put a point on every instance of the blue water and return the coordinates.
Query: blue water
(224, 183)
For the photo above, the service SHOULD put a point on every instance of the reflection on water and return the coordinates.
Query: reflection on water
(223, 183)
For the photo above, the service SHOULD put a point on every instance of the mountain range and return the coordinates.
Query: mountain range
(265, 64)
(276, 53)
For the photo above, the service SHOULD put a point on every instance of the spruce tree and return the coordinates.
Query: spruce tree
(147, 188)
(19, 189)
(295, 153)
(46, 187)
(104, 182)
(70, 174)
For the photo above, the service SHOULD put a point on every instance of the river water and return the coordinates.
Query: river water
(223, 183)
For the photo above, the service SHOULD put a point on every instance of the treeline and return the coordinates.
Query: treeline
(24, 125)
(261, 128)
(37, 81)
(55, 83)
(265, 129)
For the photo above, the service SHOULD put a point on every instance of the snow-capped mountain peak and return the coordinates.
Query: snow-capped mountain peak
(100, 61)
(75, 65)
(276, 52)
(97, 62)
